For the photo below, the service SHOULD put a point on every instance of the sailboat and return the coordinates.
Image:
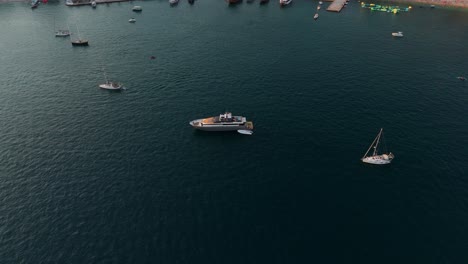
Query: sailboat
(110, 85)
(375, 158)
(79, 41)
(61, 32)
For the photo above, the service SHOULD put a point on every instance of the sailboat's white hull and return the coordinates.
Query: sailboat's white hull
(378, 159)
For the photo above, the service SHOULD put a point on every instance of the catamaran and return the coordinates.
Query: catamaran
(375, 158)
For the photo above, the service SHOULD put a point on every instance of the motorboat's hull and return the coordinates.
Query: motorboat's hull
(198, 124)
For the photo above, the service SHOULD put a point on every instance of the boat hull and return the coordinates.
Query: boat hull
(378, 160)
(80, 43)
(198, 124)
(218, 128)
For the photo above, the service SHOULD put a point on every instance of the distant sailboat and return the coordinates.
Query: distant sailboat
(375, 158)
(110, 85)
(61, 32)
(79, 41)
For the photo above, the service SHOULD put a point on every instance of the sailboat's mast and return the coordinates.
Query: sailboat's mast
(372, 144)
(105, 75)
(377, 143)
(77, 30)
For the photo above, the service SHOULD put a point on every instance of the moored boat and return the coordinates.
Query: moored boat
(397, 34)
(316, 16)
(285, 2)
(137, 9)
(93, 4)
(62, 33)
(34, 4)
(375, 158)
(223, 122)
(79, 41)
(132, 20)
(233, 2)
(173, 2)
(109, 85)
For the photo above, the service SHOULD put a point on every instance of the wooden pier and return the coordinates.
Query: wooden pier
(336, 6)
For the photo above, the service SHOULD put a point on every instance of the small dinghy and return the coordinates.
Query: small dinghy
(245, 132)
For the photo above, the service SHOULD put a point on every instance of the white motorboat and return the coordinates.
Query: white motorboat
(397, 34)
(285, 2)
(320, 2)
(110, 85)
(137, 9)
(316, 16)
(132, 20)
(173, 2)
(93, 4)
(318, 7)
(223, 122)
(375, 158)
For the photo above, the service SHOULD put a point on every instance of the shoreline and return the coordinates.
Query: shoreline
(437, 3)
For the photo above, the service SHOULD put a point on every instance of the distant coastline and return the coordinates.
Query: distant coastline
(437, 3)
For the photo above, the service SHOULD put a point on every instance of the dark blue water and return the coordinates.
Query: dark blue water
(88, 176)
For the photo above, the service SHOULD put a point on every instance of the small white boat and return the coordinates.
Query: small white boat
(318, 7)
(245, 132)
(111, 85)
(93, 4)
(173, 2)
(62, 33)
(132, 20)
(316, 16)
(397, 34)
(375, 158)
(320, 2)
(137, 9)
(285, 2)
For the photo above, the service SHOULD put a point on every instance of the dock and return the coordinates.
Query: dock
(336, 6)
(88, 2)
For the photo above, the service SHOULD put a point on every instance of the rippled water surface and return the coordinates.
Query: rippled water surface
(88, 176)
